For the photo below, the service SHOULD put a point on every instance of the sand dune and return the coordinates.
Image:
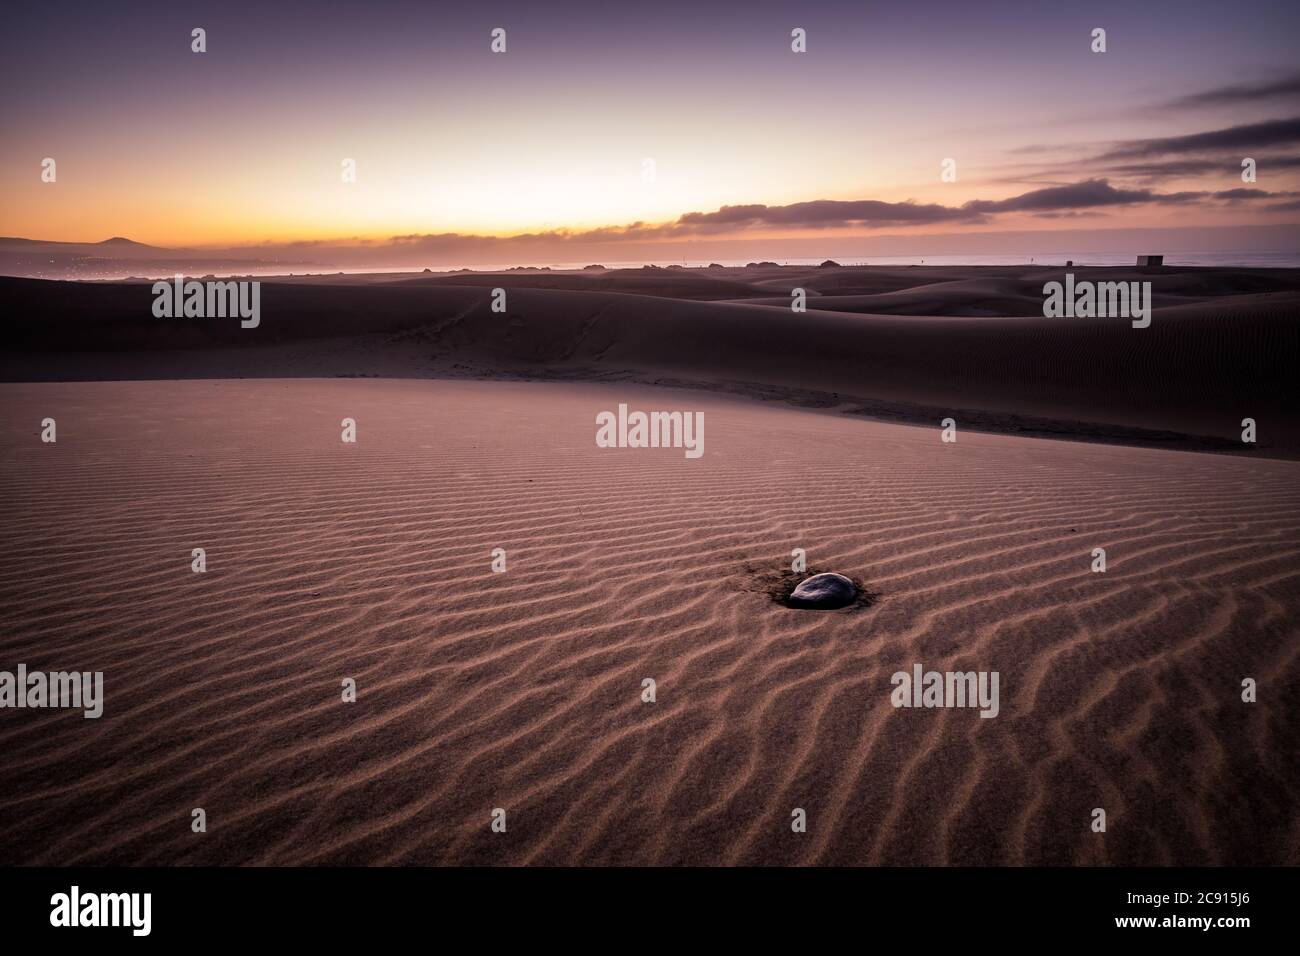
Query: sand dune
(1223, 344)
(522, 690)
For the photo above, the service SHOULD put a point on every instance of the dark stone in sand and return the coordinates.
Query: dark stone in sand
(827, 590)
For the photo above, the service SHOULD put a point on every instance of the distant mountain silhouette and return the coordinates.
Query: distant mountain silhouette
(119, 257)
(117, 244)
(119, 241)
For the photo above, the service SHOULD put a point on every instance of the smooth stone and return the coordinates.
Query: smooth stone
(829, 590)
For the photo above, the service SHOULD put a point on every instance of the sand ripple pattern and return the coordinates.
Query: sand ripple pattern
(522, 690)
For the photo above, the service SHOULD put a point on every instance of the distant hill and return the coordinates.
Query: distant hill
(120, 243)
(116, 246)
(118, 257)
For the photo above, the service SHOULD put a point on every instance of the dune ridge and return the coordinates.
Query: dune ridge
(909, 345)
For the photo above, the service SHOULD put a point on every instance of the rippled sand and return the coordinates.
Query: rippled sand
(522, 690)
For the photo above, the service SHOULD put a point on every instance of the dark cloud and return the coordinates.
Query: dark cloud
(1141, 162)
(1168, 169)
(1087, 198)
(823, 212)
(1071, 214)
(1285, 87)
(1062, 199)
(1239, 194)
(1247, 138)
(1146, 173)
(1085, 195)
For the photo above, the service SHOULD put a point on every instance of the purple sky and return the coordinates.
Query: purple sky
(615, 125)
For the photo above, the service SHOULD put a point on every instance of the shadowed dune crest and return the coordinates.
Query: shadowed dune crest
(910, 345)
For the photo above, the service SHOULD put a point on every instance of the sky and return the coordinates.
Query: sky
(549, 145)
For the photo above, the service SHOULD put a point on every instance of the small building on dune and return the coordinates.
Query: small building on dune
(1151, 260)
